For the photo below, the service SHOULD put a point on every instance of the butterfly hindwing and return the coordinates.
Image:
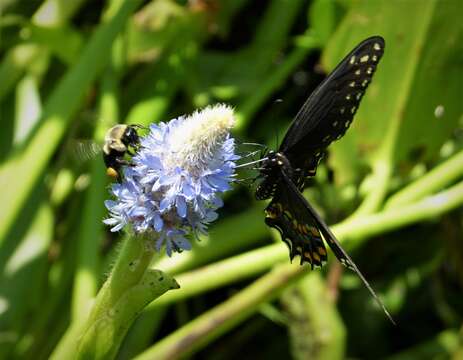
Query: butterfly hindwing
(298, 229)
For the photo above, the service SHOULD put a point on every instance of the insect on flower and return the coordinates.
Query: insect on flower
(119, 140)
(173, 185)
(324, 117)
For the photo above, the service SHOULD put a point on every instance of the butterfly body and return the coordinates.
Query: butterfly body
(270, 173)
(324, 117)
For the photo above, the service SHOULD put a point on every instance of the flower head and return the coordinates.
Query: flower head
(173, 187)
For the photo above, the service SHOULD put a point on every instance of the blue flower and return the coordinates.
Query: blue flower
(173, 187)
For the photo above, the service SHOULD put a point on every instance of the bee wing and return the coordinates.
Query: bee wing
(84, 150)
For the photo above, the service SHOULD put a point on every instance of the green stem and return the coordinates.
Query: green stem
(103, 337)
(316, 314)
(382, 170)
(428, 208)
(439, 177)
(131, 264)
(231, 270)
(223, 317)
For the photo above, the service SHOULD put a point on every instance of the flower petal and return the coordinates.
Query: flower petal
(180, 203)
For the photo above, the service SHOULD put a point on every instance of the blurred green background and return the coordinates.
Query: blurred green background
(71, 69)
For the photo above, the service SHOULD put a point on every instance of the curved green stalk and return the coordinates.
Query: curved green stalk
(103, 337)
(442, 175)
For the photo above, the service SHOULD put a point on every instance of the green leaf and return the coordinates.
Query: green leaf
(24, 273)
(27, 165)
(322, 19)
(63, 41)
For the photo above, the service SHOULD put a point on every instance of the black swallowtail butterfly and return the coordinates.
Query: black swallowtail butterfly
(324, 117)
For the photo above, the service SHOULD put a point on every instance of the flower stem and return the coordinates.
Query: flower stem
(133, 260)
(129, 288)
(104, 336)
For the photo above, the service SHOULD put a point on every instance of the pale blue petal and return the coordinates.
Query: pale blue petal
(180, 203)
(165, 204)
(158, 223)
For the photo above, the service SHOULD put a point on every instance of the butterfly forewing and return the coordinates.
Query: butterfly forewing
(330, 109)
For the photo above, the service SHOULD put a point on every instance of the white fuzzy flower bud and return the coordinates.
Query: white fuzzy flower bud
(202, 134)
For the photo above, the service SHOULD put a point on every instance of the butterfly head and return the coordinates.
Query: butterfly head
(275, 161)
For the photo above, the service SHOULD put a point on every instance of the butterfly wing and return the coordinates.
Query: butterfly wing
(300, 232)
(328, 112)
(300, 227)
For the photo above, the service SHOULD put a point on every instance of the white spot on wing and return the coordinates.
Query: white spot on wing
(364, 58)
(352, 60)
(377, 47)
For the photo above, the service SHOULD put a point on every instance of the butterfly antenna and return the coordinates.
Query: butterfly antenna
(251, 163)
(246, 182)
(254, 144)
(252, 153)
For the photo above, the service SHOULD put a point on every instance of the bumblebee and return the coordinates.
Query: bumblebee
(118, 141)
